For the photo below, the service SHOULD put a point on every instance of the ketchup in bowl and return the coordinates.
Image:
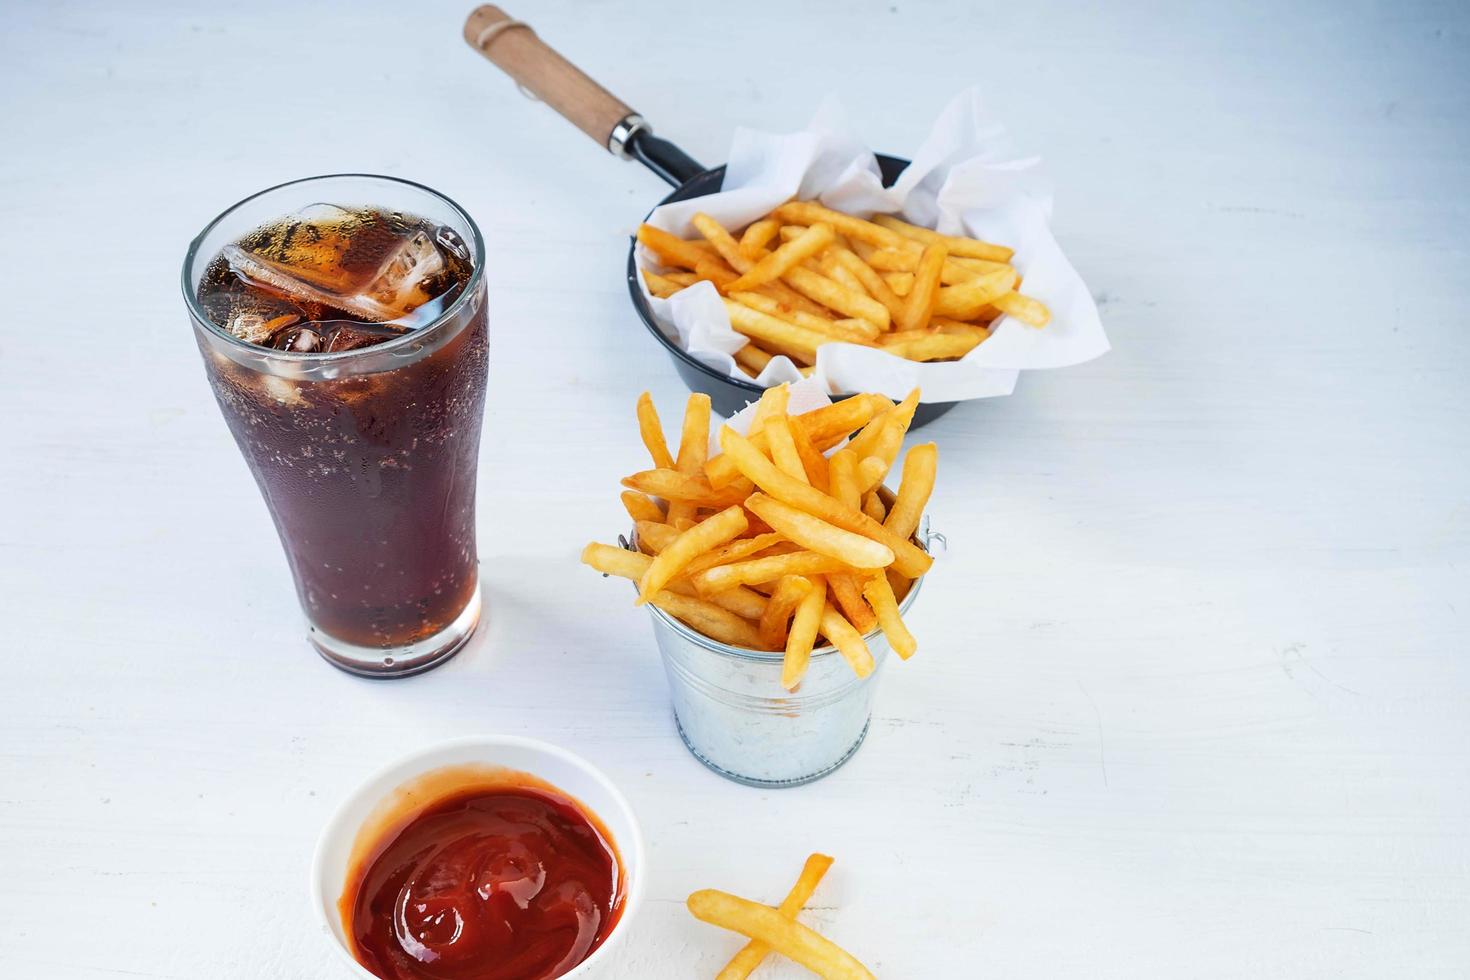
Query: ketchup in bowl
(506, 879)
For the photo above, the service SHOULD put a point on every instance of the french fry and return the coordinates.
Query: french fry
(839, 273)
(749, 957)
(813, 463)
(964, 300)
(870, 473)
(1023, 308)
(919, 304)
(730, 250)
(745, 603)
(852, 324)
(866, 440)
(830, 425)
(899, 282)
(870, 279)
(758, 234)
(847, 591)
(722, 240)
(900, 261)
(848, 641)
(824, 427)
(922, 345)
(890, 259)
(803, 633)
(786, 936)
(682, 278)
(702, 537)
(660, 286)
(781, 301)
(672, 250)
(810, 213)
(783, 448)
(713, 621)
(790, 590)
(791, 300)
(788, 256)
(919, 468)
(959, 328)
(817, 535)
(773, 402)
(834, 295)
(854, 469)
(753, 358)
(885, 606)
(909, 558)
(795, 342)
(694, 437)
(674, 486)
(737, 550)
(652, 432)
(873, 506)
(611, 560)
(654, 536)
(954, 244)
(980, 266)
(769, 569)
(641, 507)
(842, 479)
(896, 582)
(889, 439)
(854, 331)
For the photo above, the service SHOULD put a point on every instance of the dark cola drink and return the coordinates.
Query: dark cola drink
(346, 346)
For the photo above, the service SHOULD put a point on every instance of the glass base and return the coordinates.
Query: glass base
(403, 661)
(759, 783)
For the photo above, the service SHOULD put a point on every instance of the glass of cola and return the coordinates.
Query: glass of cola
(342, 324)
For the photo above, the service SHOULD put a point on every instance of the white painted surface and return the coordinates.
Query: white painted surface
(1194, 698)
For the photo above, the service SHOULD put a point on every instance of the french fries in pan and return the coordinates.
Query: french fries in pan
(771, 544)
(806, 275)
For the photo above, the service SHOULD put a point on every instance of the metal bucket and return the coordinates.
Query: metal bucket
(737, 719)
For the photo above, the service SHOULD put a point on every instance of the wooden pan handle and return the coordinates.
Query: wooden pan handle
(516, 49)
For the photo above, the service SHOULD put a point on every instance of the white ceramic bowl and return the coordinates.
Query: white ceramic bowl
(563, 770)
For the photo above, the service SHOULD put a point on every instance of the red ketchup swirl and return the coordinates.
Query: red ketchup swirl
(489, 883)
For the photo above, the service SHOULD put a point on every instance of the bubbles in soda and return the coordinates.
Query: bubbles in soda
(330, 279)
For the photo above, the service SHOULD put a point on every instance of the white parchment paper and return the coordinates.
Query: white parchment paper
(964, 179)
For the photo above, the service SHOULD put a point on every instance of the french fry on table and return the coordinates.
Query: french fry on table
(751, 955)
(782, 934)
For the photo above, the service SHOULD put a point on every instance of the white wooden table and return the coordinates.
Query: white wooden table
(1194, 695)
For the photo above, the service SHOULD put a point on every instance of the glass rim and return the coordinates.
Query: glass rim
(477, 275)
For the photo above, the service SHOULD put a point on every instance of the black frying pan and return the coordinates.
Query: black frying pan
(549, 77)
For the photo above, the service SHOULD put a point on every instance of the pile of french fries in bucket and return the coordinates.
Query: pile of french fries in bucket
(770, 544)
